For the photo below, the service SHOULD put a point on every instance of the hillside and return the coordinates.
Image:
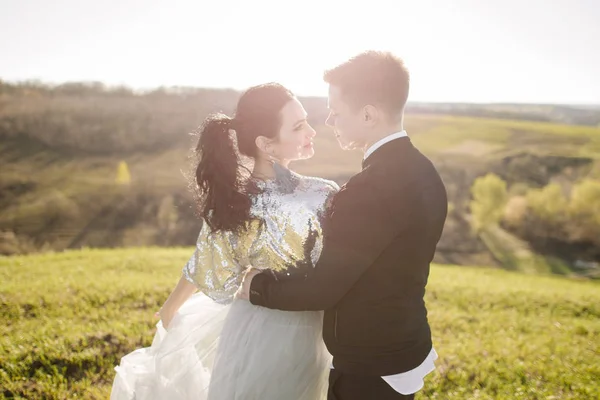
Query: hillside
(562, 114)
(69, 317)
(61, 150)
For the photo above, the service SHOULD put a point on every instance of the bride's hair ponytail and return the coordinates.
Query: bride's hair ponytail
(225, 205)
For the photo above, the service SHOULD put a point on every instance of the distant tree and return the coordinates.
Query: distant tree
(489, 201)
(123, 174)
(548, 204)
(584, 210)
(515, 211)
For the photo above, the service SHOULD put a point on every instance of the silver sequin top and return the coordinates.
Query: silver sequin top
(286, 231)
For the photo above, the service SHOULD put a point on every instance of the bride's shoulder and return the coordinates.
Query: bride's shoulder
(321, 184)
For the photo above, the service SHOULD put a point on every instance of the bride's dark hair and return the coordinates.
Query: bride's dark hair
(223, 192)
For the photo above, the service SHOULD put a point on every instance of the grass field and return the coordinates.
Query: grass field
(69, 317)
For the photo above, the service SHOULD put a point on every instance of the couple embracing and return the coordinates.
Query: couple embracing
(332, 305)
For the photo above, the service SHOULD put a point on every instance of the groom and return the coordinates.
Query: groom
(379, 239)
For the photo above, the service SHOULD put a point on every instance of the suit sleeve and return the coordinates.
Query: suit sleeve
(360, 226)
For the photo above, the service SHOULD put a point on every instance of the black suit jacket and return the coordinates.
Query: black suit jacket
(379, 240)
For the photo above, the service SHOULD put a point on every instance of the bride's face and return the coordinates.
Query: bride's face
(295, 139)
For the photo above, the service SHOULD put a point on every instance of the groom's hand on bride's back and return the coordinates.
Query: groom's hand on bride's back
(243, 291)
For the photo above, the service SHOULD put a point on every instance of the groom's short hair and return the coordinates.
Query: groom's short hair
(372, 77)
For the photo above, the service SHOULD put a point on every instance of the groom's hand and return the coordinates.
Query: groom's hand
(244, 290)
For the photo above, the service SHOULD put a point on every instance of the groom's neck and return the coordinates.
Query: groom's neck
(381, 133)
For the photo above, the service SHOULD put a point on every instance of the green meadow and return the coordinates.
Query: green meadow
(69, 317)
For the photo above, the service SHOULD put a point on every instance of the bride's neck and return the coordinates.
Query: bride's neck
(263, 168)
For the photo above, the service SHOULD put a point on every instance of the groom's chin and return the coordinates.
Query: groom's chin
(345, 145)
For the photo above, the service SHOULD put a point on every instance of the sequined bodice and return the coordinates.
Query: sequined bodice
(286, 231)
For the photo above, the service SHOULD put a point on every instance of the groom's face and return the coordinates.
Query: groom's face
(345, 120)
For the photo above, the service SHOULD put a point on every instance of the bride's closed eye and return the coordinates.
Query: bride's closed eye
(300, 126)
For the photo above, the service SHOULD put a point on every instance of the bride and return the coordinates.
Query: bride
(209, 344)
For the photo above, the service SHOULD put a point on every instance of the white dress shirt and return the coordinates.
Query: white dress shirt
(408, 382)
(383, 141)
(412, 381)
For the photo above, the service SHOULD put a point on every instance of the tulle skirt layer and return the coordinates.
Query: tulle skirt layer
(228, 352)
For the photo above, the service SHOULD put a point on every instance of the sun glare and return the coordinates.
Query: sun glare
(461, 51)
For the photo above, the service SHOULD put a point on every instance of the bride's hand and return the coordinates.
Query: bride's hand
(182, 292)
(165, 317)
(243, 291)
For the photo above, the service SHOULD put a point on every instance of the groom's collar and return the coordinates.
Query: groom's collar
(382, 141)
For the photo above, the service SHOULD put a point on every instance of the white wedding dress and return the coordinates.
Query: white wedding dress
(221, 348)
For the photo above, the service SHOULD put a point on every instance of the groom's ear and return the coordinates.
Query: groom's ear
(370, 114)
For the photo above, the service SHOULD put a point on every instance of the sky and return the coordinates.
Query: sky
(474, 51)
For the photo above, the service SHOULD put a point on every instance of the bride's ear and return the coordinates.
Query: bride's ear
(264, 145)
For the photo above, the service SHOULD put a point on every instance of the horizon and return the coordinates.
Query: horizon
(466, 52)
(146, 90)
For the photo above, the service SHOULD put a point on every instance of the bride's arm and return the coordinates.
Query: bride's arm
(212, 269)
(183, 291)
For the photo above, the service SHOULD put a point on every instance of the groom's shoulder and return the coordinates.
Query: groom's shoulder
(359, 185)
(382, 179)
(371, 176)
